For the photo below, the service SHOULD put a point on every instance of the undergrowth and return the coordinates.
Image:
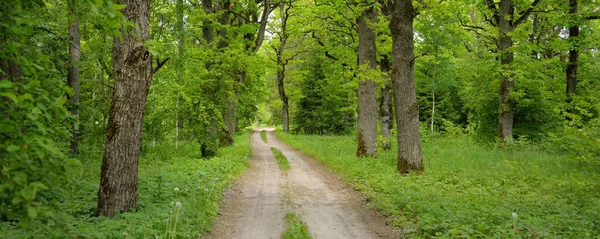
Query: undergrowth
(469, 191)
(263, 135)
(297, 229)
(281, 159)
(179, 195)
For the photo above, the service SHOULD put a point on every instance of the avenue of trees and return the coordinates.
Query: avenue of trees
(129, 74)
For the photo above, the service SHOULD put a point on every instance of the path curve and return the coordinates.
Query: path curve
(255, 206)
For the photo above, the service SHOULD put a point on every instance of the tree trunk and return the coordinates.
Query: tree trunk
(282, 63)
(385, 108)
(505, 103)
(405, 100)
(73, 74)
(132, 65)
(284, 99)
(180, 66)
(571, 70)
(367, 88)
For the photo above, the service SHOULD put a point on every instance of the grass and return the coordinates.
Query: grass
(297, 229)
(263, 135)
(281, 159)
(179, 195)
(470, 191)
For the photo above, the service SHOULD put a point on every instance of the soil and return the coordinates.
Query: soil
(255, 207)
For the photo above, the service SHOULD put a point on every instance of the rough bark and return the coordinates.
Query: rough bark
(385, 107)
(403, 83)
(573, 64)
(132, 66)
(73, 74)
(367, 88)
(505, 103)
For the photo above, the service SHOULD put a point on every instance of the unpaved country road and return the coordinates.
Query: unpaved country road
(255, 207)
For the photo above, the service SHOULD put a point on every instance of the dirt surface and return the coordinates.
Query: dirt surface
(256, 205)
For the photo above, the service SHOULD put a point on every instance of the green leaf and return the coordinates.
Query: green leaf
(32, 212)
(16, 200)
(5, 84)
(60, 100)
(12, 148)
(118, 7)
(11, 96)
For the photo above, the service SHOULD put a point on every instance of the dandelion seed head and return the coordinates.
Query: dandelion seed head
(514, 215)
(176, 189)
(178, 204)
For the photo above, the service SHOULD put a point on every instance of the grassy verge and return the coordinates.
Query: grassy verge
(281, 159)
(179, 195)
(297, 229)
(470, 191)
(263, 135)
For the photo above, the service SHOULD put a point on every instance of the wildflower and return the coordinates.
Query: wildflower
(514, 215)
(178, 204)
(97, 122)
(176, 189)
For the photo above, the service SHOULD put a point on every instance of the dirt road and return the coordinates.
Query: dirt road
(255, 207)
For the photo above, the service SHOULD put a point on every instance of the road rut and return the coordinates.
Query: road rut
(255, 206)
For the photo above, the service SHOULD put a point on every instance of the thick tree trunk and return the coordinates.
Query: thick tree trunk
(367, 88)
(505, 103)
(73, 74)
(571, 70)
(385, 108)
(132, 65)
(405, 100)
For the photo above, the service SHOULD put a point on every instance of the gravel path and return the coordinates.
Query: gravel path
(256, 205)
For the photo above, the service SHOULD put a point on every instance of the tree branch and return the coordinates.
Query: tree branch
(592, 17)
(526, 14)
(159, 64)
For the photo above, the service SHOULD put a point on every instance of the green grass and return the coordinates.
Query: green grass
(470, 191)
(263, 135)
(297, 229)
(162, 169)
(281, 159)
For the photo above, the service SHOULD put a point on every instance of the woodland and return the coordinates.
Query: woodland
(456, 118)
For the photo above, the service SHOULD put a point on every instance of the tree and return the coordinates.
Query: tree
(504, 19)
(367, 88)
(73, 75)
(403, 83)
(282, 61)
(385, 106)
(132, 67)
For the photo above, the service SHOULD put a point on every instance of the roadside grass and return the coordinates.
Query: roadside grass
(179, 195)
(263, 135)
(281, 159)
(297, 229)
(468, 190)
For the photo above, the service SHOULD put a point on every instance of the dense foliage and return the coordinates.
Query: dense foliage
(180, 194)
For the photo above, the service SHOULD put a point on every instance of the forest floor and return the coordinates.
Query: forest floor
(257, 204)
